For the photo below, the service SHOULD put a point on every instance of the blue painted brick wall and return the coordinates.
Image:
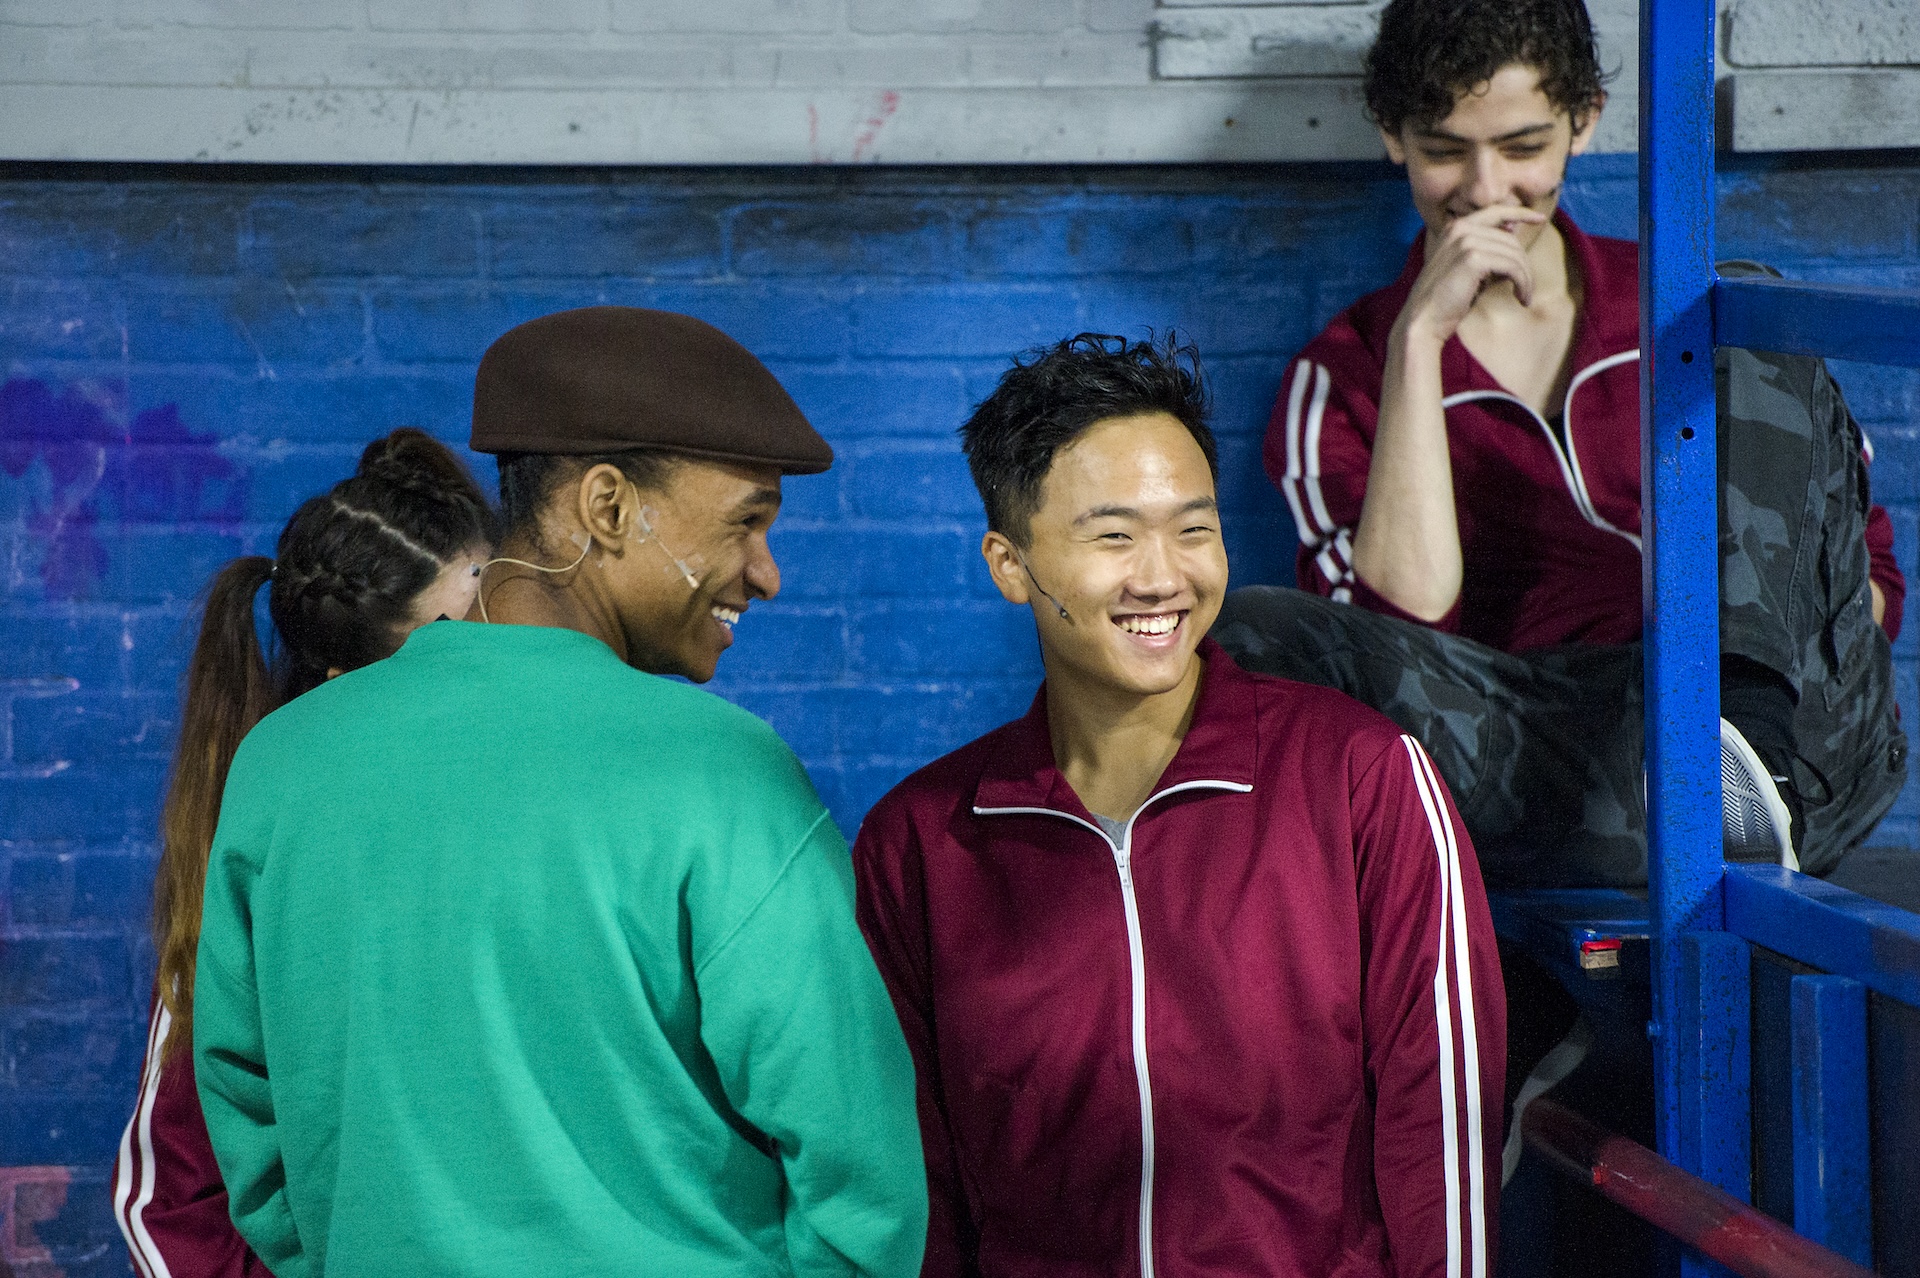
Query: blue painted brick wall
(187, 354)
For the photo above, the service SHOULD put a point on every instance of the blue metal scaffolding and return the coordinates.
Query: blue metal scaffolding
(1705, 915)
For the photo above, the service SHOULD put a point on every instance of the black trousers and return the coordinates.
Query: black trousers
(1542, 749)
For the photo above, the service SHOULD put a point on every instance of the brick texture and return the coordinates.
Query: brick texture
(184, 360)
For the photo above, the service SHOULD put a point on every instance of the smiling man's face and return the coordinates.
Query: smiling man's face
(1504, 143)
(1126, 540)
(682, 587)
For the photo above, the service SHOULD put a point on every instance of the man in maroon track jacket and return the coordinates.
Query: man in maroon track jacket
(1461, 454)
(1195, 964)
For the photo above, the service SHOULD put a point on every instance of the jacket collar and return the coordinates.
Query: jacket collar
(1220, 746)
(1607, 325)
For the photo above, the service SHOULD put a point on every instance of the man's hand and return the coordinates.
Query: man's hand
(1407, 546)
(1472, 251)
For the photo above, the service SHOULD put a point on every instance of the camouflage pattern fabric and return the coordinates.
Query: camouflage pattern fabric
(1793, 587)
(1542, 749)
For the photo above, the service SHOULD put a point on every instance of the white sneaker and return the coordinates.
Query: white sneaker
(1755, 823)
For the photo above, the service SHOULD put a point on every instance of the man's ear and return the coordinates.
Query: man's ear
(607, 506)
(1003, 564)
(1396, 149)
(1583, 133)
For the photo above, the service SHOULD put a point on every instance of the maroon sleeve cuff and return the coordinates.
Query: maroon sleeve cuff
(1886, 570)
(1367, 597)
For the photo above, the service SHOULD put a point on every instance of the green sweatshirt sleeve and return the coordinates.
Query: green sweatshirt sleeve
(230, 1062)
(803, 1034)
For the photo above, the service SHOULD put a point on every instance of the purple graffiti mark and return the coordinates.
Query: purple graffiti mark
(174, 474)
(28, 1196)
(82, 472)
(58, 511)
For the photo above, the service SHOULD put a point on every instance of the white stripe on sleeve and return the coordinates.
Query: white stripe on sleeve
(130, 1201)
(1290, 481)
(1469, 1039)
(1342, 547)
(124, 1171)
(1443, 983)
(1330, 566)
(1310, 449)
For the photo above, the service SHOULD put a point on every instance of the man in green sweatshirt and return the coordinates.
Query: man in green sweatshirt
(519, 959)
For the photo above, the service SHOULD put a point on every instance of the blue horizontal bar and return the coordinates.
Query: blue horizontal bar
(1552, 924)
(1871, 325)
(1565, 909)
(1828, 927)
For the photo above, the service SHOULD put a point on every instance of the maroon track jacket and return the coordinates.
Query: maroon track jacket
(167, 1193)
(1549, 534)
(1264, 1034)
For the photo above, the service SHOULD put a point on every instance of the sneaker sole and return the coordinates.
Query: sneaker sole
(1745, 783)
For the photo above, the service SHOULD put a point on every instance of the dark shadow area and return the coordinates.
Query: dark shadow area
(1887, 874)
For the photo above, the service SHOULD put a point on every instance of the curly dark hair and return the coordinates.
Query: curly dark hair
(1053, 394)
(1429, 52)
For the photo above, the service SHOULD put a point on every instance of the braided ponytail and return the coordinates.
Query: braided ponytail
(353, 561)
(351, 564)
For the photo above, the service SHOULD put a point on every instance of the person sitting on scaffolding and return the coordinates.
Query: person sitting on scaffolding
(1461, 452)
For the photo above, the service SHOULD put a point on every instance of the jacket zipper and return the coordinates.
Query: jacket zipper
(1137, 977)
(1137, 965)
(1569, 457)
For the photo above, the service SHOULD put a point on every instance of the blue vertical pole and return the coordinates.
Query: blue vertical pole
(1832, 1161)
(1715, 1051)
(1701, 1121)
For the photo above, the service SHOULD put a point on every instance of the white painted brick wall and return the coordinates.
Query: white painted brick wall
(834, 81)
(1234, 41)
(962, 17)
(52, 13)
(767, 19)
(1824, 33)
(460, 17)
(239, 15)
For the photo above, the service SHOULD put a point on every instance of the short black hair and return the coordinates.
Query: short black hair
(1053, 394)
(528, 480)
(1430, 52)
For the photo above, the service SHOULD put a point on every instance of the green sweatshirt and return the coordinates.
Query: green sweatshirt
(519, 961)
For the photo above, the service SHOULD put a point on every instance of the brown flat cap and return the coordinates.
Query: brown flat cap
(607, 378)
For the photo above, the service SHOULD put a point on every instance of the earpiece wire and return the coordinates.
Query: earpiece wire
(480, 591)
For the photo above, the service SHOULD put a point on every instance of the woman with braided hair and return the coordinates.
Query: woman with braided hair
(357, 569)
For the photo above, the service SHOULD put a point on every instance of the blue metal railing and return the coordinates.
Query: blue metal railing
(1827, 927)
(1706, 917)
(1700, 1105)
(1871, 325)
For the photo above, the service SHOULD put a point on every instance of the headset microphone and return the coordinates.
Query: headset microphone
(1058, 606)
